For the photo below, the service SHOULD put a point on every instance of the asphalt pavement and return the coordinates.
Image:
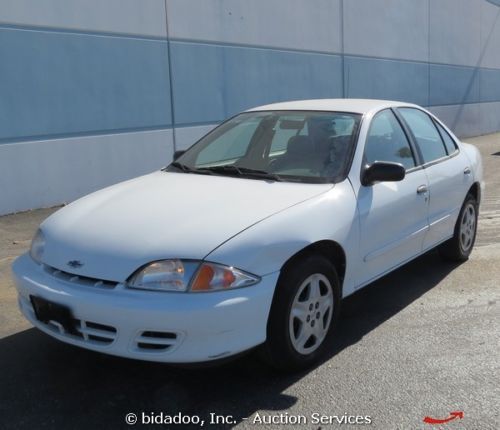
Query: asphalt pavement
(423, 341)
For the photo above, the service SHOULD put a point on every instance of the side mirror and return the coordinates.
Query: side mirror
(382, 171)
(177, 154)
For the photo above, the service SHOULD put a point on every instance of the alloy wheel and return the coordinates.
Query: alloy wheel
(467, 227)
(311, 313)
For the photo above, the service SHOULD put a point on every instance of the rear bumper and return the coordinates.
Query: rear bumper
(165, 327)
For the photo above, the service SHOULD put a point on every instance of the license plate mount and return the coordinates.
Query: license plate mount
(46, 311)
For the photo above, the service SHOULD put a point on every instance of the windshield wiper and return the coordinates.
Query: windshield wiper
(187, 169)
(243, 171)
(180, 166)
(227, 169)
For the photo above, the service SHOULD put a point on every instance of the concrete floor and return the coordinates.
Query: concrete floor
(422, 341)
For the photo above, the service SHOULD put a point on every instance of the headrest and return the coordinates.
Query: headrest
(299, 145)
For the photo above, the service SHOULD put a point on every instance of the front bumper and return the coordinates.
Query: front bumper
(147, 325)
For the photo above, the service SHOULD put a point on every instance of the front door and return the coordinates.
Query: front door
(392, 215)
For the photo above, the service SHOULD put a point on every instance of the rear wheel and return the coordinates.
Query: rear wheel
(459, 247)
(303, 314)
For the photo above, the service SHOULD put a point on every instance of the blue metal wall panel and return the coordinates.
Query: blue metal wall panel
(60, 83)
(490, 85)
(386, 79)
(213, 82)
(65, 83)
(453, 85)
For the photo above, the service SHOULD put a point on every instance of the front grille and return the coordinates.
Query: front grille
(95, 332)
(84, 281)
(156, 341)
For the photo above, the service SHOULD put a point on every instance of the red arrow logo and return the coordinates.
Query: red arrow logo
(453, 416)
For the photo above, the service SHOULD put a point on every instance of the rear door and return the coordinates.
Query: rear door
(393, 215)
(448, 173)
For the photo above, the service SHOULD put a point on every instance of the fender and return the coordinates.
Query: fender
(263, 248)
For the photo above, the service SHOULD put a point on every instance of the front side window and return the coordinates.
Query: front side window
(284, 145)
(386, 141)
(427, 137)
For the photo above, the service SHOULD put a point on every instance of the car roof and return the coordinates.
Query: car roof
(362, 106)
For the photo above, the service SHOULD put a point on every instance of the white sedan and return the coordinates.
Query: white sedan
(253, 235)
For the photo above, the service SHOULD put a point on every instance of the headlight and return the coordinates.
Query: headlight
(165, 275)
(186, 275)
(37, 246)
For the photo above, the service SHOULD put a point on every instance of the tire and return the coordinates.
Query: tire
(459, 247)
(310, 289)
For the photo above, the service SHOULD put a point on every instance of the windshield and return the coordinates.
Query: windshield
(277, 145)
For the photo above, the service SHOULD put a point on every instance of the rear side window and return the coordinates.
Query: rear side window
(427, 137)
(386, 141)
(450, 144)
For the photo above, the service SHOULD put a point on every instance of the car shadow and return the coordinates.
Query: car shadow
(47, 384)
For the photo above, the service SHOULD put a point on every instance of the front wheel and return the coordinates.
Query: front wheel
(303, 314)
(459, 247)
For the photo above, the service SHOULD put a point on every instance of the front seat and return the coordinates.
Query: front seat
(299, 149)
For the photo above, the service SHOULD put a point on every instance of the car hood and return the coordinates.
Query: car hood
(114, 231)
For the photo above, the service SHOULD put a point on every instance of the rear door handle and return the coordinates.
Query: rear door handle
(467, 171)
(422, 189)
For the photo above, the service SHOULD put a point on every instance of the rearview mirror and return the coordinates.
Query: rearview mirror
(382, 171)
(177, 154)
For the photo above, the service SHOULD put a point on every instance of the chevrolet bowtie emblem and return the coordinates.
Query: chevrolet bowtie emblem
(75, 264)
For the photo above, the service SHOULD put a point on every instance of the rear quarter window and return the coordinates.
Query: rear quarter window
(450, 144)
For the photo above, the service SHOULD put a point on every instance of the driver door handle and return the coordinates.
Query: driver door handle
(422, 189)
